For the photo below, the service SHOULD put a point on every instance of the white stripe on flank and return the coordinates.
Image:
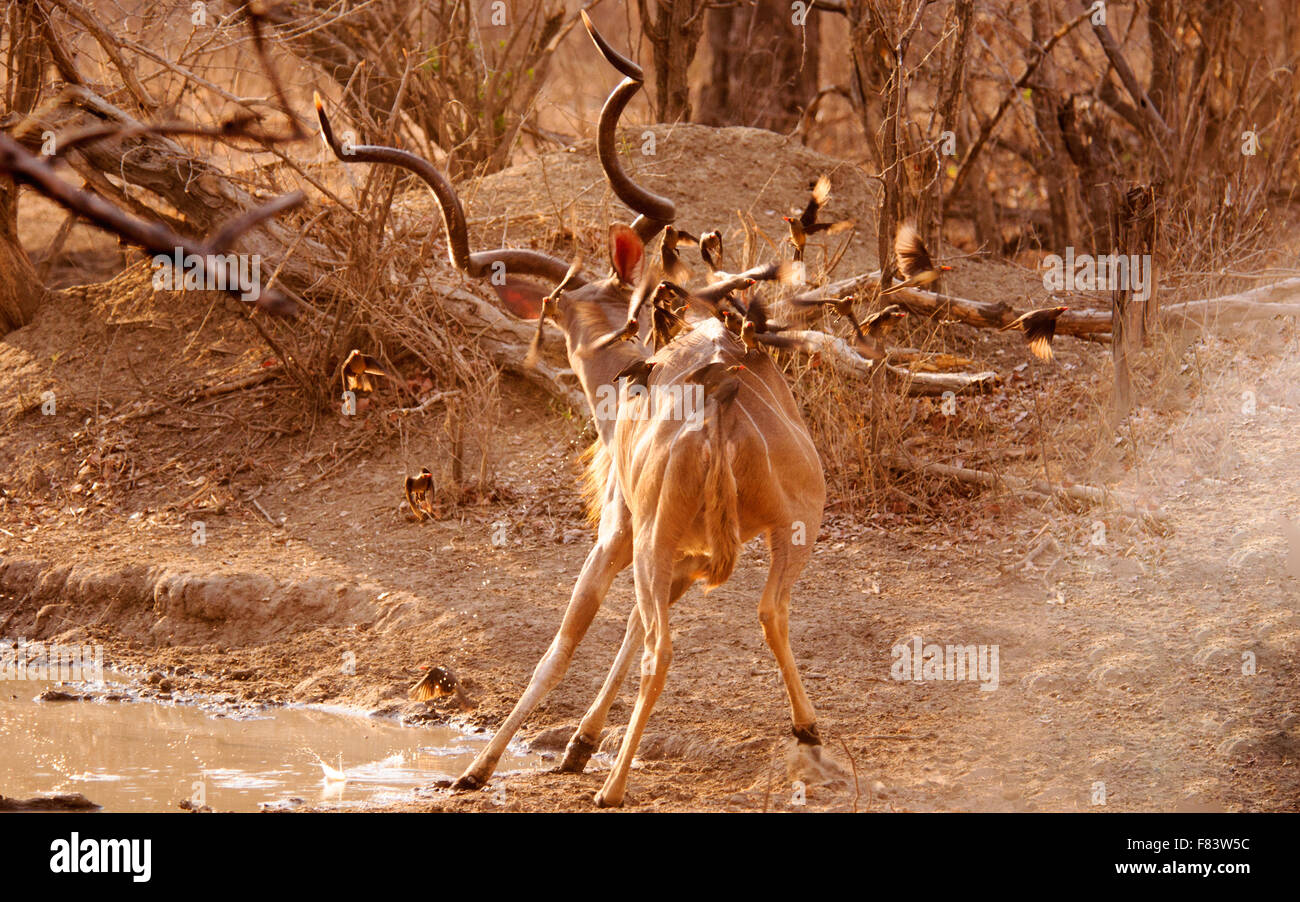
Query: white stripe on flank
(767, 452)
(794, 427)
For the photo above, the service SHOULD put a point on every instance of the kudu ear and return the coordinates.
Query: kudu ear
(625, 252)
(523, 298)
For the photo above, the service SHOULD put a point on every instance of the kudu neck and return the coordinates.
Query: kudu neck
(585, 321)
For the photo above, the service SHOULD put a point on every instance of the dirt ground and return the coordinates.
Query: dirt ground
(1142, 667)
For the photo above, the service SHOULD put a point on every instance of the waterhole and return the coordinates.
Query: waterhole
(131, 754)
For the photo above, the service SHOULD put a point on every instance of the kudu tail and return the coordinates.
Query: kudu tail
(721, 517)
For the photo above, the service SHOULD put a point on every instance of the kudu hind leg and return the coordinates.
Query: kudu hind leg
(788, 561)
(611, 554)
(587, 737)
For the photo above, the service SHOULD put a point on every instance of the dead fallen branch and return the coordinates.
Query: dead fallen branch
(1279, 299)
(925, 384)
(505, 341)
(1020, 487)
(840, 356)
(428, 402)
(252, 380)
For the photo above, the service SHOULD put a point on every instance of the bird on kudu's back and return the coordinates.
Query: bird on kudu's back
(636, 372)
(719, 381)
(675, 268)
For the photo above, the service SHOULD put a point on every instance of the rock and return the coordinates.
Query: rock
(1045, 682)
(1057, 798)
(658, 746)
(1108, 676)
(610, 744)
(553, 739)
(280, 805)
(1229, 724)
(314, 688)
(1237, 746)
(71, 801)
(812, 764)
(60, 695)
(45, 615)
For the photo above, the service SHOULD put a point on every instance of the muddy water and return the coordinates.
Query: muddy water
(135, 755)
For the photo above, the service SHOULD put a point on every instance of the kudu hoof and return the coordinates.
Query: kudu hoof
(602, 802)
(467, 783)
(576, 756)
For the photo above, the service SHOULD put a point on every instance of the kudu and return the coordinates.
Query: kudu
(677, 494)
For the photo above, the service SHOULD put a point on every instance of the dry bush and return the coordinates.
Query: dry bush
(445, 78)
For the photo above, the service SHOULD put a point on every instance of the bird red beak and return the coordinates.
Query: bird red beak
(945, 269)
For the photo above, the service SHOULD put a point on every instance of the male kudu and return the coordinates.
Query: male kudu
(678, 492)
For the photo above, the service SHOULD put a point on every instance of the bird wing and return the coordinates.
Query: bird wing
(1039, 335)
(913, 258)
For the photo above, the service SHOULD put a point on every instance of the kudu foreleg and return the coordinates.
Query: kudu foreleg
(611, 554)
(585, 740)
(653, 586)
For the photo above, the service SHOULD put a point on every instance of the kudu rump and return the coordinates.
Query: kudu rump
(678, 491)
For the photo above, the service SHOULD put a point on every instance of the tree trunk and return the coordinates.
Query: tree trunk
(1055, 163)
(21, 291)
(879, 50)
(931, 205)
(674, 34)
(763, 67)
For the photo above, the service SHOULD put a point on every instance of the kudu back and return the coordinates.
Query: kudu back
(680, 480)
